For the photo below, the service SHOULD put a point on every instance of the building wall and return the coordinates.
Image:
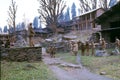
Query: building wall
(86, 21)
(99, 12)
(110, 32)
(21, 54)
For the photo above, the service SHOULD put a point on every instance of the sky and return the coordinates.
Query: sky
(27, 9)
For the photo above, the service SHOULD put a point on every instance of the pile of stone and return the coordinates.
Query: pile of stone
(101, 53)
(20, 42)
(22, 54)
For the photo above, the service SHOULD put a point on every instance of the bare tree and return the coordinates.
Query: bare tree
(104, 4)
(84, 5)
(94, 4)
(50, 10)
(87, 5)
(12, 14)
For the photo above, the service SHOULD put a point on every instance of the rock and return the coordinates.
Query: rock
(115, 52)
(54, 63)
(20, 42)
(102, 73)
(21, 54)
(64, 65)
(101, 53)
(4, 55)
(28, 67)
(71, 65)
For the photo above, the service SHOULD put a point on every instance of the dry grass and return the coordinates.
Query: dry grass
(110, 64)
(19, 71)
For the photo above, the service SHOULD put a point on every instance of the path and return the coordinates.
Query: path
(70, 71)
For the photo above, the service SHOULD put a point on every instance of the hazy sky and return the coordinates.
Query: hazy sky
(25, 7)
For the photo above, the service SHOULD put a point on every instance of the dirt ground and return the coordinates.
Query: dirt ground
(69, 71)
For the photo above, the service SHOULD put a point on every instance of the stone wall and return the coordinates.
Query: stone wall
(21, 54)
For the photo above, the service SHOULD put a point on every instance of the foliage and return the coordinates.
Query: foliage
(19, 71)
(112, 2)
(20, 26)
(110, 65)
(12, 14)
(87, 5)
(73, 10)
(50, 11)
(5, 29)
(0, 30)
(67, 15)
(35, 22)
(61, 17)
(67, 57)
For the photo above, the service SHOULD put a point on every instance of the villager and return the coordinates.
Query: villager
(71, 47)
(93, 48)
(117, 43)
(87, 48)
(31, 34)
(103, 44)
(52, 51)
(75, 48)
(79, 45)
(83, 49)
(117, 47)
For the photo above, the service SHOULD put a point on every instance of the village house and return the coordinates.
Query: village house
(86, 21)
(110, 23)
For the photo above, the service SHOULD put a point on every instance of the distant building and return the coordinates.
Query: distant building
(110, 23)
(43, 33)
(67, 26)
(86, 21)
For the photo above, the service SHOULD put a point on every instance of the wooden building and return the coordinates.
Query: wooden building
(110, 23)
(86, 21)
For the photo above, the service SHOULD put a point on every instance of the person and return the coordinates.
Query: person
(75, 48)
(117, 47)
(31, 34)
(71, 47)
(52, 51)
(87, 48)
(93, 48)
(71, 44)
(83, 48)
(103, 44)
(79, 44)
(117, 43)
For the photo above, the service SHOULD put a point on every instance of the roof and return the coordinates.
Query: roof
(40, 31)
(4, 34)
(89, 12)
(113, 10)
(109, 29)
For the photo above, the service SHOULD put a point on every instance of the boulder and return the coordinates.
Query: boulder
(115, 52)
(103, 73)
(101, 53)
